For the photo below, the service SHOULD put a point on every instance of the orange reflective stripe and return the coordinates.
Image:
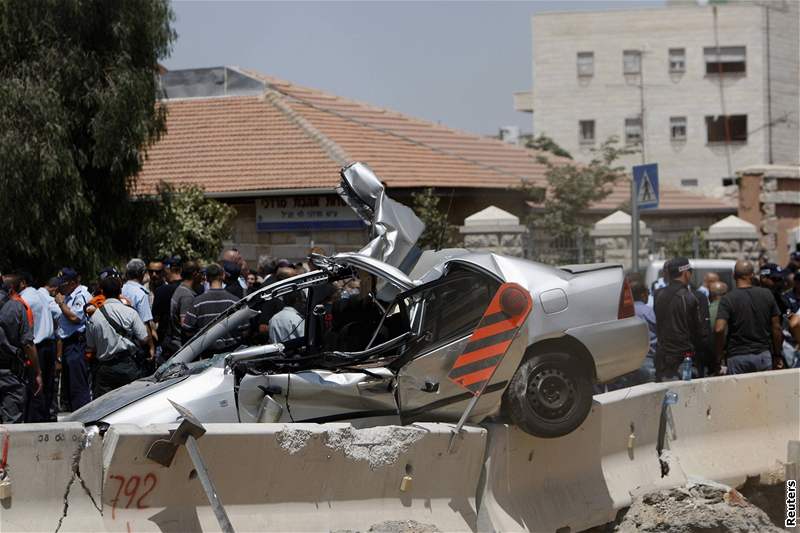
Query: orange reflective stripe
(489, 343)
(483, 353)
(475, 377)
(488, 331)
(28, 311)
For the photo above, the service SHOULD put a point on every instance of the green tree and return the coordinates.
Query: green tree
(544, 143)
(78, 108)
(684, 245)
(439, 233)
(573, 187)
(183, 221)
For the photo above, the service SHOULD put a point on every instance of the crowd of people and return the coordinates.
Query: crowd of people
(66, 343)
(712, 329)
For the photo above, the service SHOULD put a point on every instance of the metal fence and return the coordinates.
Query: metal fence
(562, 250)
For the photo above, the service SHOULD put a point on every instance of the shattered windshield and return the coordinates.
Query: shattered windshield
(176, 369)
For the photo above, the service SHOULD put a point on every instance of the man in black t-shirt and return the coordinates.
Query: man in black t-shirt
(752, 320)
(678, 322)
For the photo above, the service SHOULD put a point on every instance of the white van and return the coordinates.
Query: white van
(700, 267)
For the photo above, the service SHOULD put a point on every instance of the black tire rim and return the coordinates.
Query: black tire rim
(551, 393)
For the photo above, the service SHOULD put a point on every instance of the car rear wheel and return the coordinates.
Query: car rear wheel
(550, 395)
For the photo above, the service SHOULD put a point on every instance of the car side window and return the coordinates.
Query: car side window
(452, 307)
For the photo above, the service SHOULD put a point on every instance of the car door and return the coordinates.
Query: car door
(446, 312)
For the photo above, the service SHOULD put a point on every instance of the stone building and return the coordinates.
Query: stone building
(703, 90)
(273, 150)
(769, 198)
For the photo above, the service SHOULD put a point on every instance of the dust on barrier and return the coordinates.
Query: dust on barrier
(692, 509)
(397, 526)
(293, 440)
(380, 446)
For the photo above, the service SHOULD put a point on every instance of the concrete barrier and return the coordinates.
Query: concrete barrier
(277, 477)
(309, 477)
(725, 429)
(55, 478)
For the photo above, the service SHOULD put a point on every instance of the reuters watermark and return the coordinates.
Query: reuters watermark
(791, 503)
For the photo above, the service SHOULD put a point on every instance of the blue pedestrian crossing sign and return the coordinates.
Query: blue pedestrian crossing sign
(645, 179)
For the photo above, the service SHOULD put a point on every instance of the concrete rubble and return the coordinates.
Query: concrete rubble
(380, 446)
(693, 508)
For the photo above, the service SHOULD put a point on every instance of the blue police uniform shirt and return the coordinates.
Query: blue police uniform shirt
(792, 300)
(42, 319)
(76, 301)
(139, 297)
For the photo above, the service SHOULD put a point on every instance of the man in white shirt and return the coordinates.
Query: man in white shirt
(139, 297)
(288, 323)
(42, 407)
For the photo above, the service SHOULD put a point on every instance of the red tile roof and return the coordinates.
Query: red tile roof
(293, 137)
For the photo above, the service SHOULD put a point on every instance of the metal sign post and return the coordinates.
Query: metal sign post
(644, 195)
(634, 226)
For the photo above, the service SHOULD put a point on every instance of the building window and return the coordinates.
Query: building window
(725, 59)
(631, 62)
(689, 183)
(585, 64)
(677, 128)
(730, 128)
(677, 60)
(633, 130)
(586, 128)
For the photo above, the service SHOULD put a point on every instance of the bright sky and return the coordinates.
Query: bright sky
(457, 63)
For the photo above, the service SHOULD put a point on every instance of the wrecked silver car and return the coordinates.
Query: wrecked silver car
(430, 334)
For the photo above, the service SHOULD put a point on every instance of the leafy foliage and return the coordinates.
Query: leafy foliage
(78, 93)
(573, 187)
(183, 221)
(546, 144)
(439, 233)
(683, 246)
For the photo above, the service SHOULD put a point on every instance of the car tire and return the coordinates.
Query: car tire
(549, 396)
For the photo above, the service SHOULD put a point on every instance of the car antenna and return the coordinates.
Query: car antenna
(446, 220)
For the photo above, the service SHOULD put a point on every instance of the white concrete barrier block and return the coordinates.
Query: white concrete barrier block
(724, 429)
(281, 477)
(54, 470)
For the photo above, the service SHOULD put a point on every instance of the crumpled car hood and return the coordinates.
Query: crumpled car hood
(394, 228)
(115, 400)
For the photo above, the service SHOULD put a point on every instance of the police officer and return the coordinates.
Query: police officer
(114, 334)
(678, 323)
(139, 297)
(771, 277)
(16, 351)
(41, 408)
(71, 298)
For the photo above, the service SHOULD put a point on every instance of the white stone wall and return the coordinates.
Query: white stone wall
(562, 99)
(784, 40)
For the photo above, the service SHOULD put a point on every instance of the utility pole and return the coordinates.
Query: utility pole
(634, 196)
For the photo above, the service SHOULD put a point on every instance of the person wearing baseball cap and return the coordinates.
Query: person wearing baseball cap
(72, 298)
(793, 265)
(678, 324)
(771, 277)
